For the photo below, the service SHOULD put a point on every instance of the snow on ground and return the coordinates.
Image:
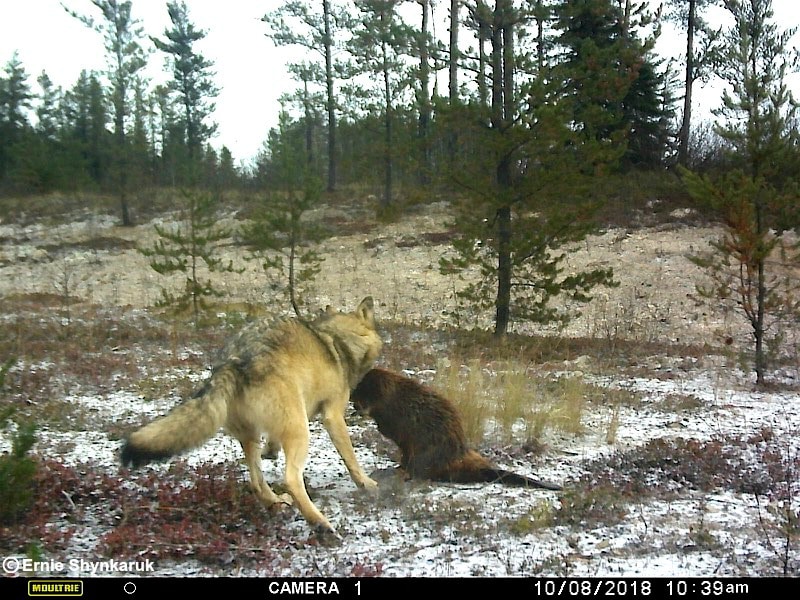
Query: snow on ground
(652, 542)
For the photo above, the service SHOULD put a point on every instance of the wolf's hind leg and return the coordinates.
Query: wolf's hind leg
(295, 450)
(252, 454)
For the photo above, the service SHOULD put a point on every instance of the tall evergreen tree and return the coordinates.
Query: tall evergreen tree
(620, 109)
(758, 119)
(45, 152)
(700, 43)
(480, 21)
(98, 141)
(86, 114)
(319, 30)
(15, 95)
(648, 110)
(380, 46)
(122, 35)
(590, 34)
(227, 176)
(140, 159)
(192, 82)
(49, 121)
(309, 103)
(524, 152)
(170, 136)
(15, 101)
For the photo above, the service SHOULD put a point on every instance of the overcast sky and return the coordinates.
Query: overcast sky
(250, 71)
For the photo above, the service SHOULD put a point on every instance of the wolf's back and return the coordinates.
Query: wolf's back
(187, 425)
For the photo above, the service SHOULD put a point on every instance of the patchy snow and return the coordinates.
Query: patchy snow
(393, 528)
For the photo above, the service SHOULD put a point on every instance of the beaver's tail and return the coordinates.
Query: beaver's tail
(509, 478)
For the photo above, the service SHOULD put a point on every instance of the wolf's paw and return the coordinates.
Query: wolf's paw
(370, 485)
(276, 501)
(327, 535)
(285, 499)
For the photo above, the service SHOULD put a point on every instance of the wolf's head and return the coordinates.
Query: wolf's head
(355, 337)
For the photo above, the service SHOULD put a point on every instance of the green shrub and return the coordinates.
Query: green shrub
(17, 469)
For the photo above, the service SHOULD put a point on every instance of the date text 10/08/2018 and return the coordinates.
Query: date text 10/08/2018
(640, 587)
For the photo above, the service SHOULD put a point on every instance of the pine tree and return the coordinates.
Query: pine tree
(297, 23)
(626, 106)
(192, 83)
(278, 234)
(44, 152)
(190, 248)
(758, 119)
(523, 167)
(379, 46)
(86, 135)
(700, 48)
(140, 159)
(228, 175)
(15, 101)
(122, 35)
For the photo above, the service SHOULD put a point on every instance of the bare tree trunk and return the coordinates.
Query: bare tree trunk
(540, 19)
(502, 112)
(309, 122)
(454, 53)
(424, 96)
(484, 33)
(330, 99)
(626, 18)
(683, 135)
(761, 291)
(758, 326)
(387, 90)
(121, 148)
(292, 257)
(503, 303)
(508, 67)
(497, 67)
(122, 176)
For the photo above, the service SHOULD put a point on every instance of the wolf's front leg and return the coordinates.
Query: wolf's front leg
(334, 423)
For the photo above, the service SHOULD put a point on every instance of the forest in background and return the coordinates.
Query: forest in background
(552, 111)
(371, 107)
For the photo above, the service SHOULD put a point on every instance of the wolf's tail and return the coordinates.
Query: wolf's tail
(492, 475)
(186, 426)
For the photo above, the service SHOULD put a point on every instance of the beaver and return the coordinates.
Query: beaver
(427, 428)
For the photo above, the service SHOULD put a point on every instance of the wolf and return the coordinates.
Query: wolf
(427, 428)
(270, 381)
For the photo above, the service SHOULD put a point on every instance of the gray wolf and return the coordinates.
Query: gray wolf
(271, 380)
(427, 428)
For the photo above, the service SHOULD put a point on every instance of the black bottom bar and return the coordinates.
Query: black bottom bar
(133, 588)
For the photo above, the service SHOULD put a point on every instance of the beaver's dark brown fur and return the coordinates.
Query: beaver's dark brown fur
(427, 428)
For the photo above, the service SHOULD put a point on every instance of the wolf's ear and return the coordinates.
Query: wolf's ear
(366, 310)
(329, 310)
